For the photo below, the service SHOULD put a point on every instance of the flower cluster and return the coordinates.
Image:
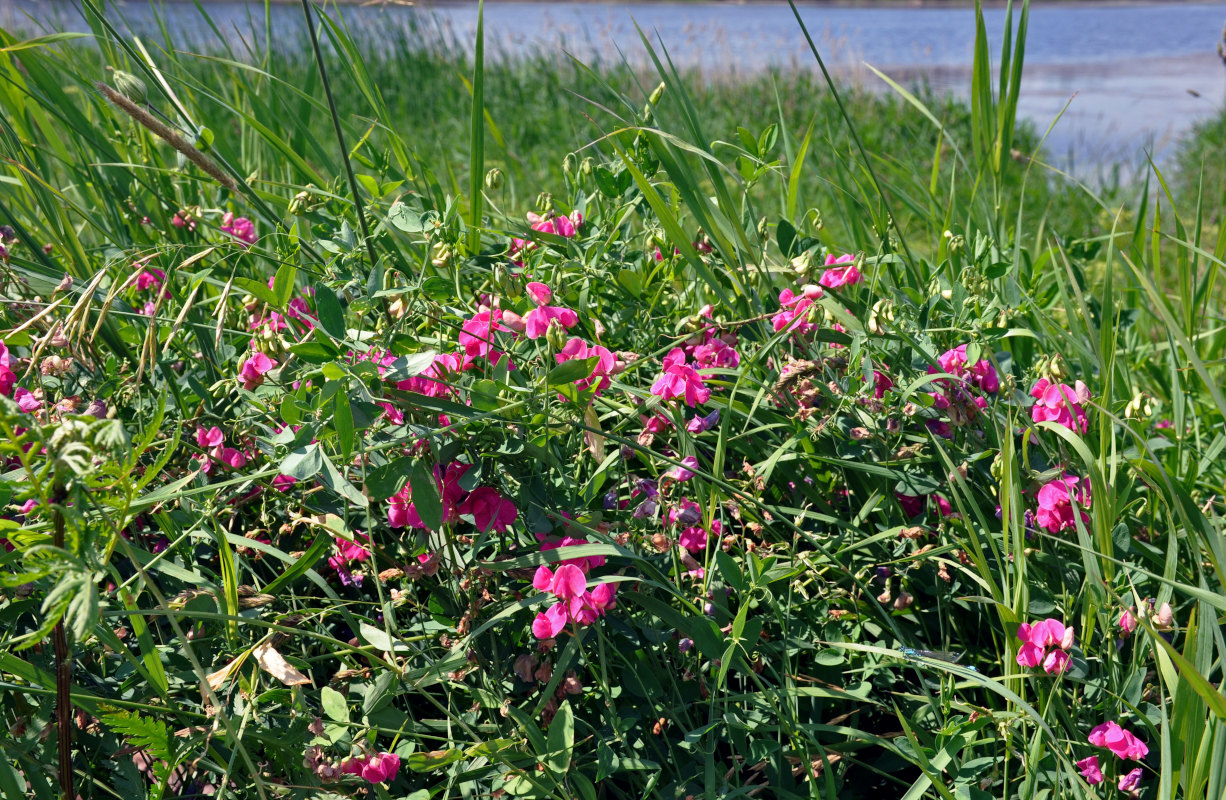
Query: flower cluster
(795, 310)
(1056, 503)
(1045, 644)
(490, 511)
(1061, 404)
(213, 442)
(576, 604)
(241, 228)
(840, 272)
(680, 380)
(376, 768)
(1124, 745)
(565, 226)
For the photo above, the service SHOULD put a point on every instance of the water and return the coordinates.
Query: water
(1137, 75)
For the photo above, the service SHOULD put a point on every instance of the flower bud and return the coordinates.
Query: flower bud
(493, 179)
(130, 86)
(556, 335)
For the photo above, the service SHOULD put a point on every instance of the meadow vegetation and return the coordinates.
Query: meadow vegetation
(379, 422)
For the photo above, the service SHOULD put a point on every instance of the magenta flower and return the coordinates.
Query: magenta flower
(680, 380)
(150, 278)
(240, 228)
(1061, 404)
(693, 539)
(490, 510)
(568, 582)
(539, 292)
(1128, 621)
(794, 314)
(1056, 503)
(1119, 741)
(549, 624)
(1090, 770)
(26, 400)
(7, 377)
(1045, 643)
(1130, 781)
(207, 439)
(700, 424)
(685, 471)
(585, 563)
(376, 768)
(477, 333)
(253, 369)
(1030, 655)
(605, 361)
(842, 272)
(536, 321)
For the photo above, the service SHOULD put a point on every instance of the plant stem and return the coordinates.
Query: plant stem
(63, 671)
(340, 136)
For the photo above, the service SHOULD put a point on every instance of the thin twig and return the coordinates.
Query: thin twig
(340, 136)
(170, 135)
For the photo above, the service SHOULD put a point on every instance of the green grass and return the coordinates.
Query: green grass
(769, 657)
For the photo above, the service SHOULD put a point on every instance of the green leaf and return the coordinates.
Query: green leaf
(432, 760)
(334, 706)
(303, 462)
(331, 315)
(571, 371)
(425, 495)
(283, 283)
(383, 482)
(342, 420)
(561, 741)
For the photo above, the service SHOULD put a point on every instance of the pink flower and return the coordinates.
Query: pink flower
(7, 376)
(680, 380)
(490, 510)
(1130, 781)
(542, 580)
(881, 384)
(1056, 503)
(253, 369)
(1061, 404)
(1056, 662)
(1128, 621)
(240, 228)
(26, 400)
(1164, 618)
(1090, 770)
(539, 292)
(381, 768)
(693, 539)
(837, 276)
(584, 563)
(1029, 655)
(549, 624)
(684, 471)
(1047, 633)
(476, 334)
(981, 374)
(794, 314)
(605, 361)
(536, 321)
(213, 437)
(568, 582)
(376, 768)
(1119, 741)
(702, 424)
(150, 278)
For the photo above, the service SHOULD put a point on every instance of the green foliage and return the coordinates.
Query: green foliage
(305, 481)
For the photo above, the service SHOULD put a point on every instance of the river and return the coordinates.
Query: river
(1134, 75)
